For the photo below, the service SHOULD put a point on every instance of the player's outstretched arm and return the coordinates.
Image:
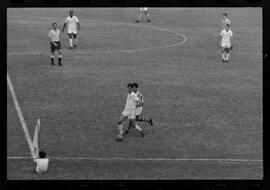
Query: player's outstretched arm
(64, 27)
(79, 27)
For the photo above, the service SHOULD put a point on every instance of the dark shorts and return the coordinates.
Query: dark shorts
(53, 47)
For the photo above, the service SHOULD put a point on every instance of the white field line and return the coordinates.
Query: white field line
(149, 159)
(123, 50)
(17, 107)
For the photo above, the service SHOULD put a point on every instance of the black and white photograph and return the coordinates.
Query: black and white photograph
(134, 93)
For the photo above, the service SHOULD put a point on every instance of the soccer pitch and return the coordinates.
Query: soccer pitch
(207, 114)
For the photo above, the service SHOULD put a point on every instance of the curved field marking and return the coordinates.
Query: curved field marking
(123, 50)
(150, 159)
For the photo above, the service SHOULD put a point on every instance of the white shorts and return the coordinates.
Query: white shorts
(226, 44)
(139, 111)
(131, 114)
(72, 31)
(144, 9)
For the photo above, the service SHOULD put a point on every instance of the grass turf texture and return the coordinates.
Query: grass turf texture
(202, 108)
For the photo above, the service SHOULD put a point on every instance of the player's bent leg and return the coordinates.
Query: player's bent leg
(134, 125)
(120, 124)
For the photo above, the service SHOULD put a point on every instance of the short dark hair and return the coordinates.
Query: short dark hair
(130, 85)
(42, 154)
(54, 23)
(225, 14)
(136, 85)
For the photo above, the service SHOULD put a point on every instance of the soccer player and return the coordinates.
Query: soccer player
(129, 111)
(139, 107)
(42, 162)
(226, 45)
(143, 11)
(225, 20)
(54, 36)
(73, 27)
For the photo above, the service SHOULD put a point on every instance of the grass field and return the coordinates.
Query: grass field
(207, 114)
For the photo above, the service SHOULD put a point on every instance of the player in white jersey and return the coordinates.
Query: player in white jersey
(129, 111)
(73, 27)
(55, 43)
(225, 20)
(226, 44)
(139, 107)
(143, 11)
(41, 163)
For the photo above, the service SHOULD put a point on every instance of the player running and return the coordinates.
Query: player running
(54, 36)
(225, 20)
(143, 11)
(139, 108)
(226, 45)
(129, 111)
(73, 27)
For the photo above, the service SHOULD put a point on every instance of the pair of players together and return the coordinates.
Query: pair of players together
(132, 111)
(226, 35)
(54, 36)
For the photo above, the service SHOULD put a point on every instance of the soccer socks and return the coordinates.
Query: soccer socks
(223, 56)
(52, 59)
(120, 127)
(137, 127)
(144, 119)
(70, 42)
(75, 42)
(227, 57)
(60, 59)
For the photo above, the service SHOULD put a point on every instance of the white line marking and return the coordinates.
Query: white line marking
(17, 107)
(149, 159)
(123, 50)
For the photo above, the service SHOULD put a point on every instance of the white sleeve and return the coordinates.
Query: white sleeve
(50, 34)
(66, 21)
(77, 20)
